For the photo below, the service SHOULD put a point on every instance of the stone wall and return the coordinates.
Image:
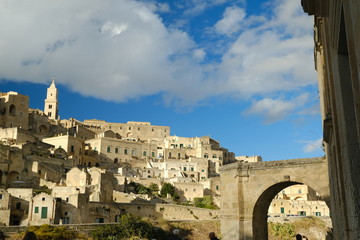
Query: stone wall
(170, 212)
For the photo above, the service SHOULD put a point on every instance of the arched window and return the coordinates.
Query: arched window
(12, 110)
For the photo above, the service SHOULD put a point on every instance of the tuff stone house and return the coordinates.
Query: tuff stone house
(14, 108)
(298, 200)
(5, 200)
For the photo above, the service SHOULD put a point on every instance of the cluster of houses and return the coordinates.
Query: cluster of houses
(69, 171)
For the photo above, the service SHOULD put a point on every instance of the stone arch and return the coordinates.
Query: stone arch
(43, 130)
(262, 204)
(12, 110)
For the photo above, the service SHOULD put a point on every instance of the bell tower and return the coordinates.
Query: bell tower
(51, 101)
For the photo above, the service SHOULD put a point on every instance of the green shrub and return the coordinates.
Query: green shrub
(205, 202)
(47, 232)
(284, 231)
(128, 227)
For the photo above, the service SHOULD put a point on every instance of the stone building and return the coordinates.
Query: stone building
(42, 210)
(298, 200)
(189, 190)
(122, 150)
(337, 57)
(130, 130)
(5, 200)
(74, 147)
(14, 109)
(20, 198)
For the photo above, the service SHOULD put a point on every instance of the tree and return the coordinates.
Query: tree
(167, 188)
(154, 188)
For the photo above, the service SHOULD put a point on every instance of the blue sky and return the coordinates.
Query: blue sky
(239, 71)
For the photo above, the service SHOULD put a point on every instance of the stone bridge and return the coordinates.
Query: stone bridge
(247, 190)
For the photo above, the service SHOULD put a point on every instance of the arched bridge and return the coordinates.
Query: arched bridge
(247, 190)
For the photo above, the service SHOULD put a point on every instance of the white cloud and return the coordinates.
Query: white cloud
(199, 54)
(312, 146)
(231, 22)
(276, 109)
(121, 49)
(114, 29)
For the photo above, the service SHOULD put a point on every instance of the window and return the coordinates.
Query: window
(67, 199)
(152, 129)
(138, 129)
(133, 152)
(72, 148)
(299, 191)
(44, 212)
(99, 220)
(220, 158)
(43, 199)
(144, 153)
(0, 196)
(214, 156)
(169, 154)
(202, 170)
(179, 155)
(153, 154)
(49, 114)
(192, 169)
(36, 210)
(66, 220)
(217, 187)
(206, 156)
(129, 128)
(318, 214)
(116, 150)
(184, 168)
(125, 151)
(108, 149)
(282, 210)
(50, 106)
